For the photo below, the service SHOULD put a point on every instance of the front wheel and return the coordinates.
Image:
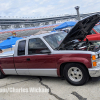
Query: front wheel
(76, 74)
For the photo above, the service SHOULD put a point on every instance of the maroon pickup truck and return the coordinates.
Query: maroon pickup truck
(57, 54)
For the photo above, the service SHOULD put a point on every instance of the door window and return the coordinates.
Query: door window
(35, 46)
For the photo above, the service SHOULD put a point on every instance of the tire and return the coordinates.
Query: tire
(1, 75)
(76, 74)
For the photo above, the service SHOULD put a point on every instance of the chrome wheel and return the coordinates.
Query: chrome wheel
(75, 74)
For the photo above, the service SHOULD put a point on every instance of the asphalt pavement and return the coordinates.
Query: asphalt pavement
(57, 89)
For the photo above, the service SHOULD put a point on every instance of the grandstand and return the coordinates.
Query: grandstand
(21, 25)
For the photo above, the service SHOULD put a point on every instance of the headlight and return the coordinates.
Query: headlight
(96, 56)
(99, 55)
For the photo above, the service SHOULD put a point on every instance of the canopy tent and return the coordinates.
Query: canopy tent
(9, 42)
(65, 25)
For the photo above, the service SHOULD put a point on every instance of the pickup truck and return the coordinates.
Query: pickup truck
(57, 54)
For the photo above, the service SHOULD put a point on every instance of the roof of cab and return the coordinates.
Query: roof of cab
(39, 35)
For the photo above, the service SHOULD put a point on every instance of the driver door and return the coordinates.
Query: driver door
(40, 64)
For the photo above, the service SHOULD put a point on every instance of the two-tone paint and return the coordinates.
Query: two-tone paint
(41, 64)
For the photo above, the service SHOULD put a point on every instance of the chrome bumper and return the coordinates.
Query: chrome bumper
(94, 72)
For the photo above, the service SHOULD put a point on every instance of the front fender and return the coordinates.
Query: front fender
(85, 61)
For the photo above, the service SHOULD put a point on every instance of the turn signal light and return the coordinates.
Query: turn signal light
(93, 57)
(94, 64)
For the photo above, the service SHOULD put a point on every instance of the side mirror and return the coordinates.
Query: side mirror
(45, 51)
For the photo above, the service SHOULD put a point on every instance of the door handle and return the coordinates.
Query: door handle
(28, 59)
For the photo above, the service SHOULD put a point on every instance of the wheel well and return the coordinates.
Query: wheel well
(63, 65)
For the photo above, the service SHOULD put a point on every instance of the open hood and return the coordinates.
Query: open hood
(81, 29)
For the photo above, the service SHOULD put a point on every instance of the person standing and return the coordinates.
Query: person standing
(0, 50)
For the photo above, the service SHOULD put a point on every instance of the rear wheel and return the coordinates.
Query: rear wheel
(1, 75)
(76, 74)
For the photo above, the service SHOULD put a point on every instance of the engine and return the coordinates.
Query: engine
(84, 45)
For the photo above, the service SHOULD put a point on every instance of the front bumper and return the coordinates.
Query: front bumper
(94, 72)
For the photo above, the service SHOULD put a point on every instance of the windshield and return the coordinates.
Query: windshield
(97, 28)
(54, 40)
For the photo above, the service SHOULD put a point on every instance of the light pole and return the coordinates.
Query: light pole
(77, 10)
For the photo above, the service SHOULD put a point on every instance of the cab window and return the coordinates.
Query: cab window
(21, 47)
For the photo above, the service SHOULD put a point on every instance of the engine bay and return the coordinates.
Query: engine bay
(83, 45)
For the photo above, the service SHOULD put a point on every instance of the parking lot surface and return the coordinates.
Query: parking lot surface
(57, 89)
